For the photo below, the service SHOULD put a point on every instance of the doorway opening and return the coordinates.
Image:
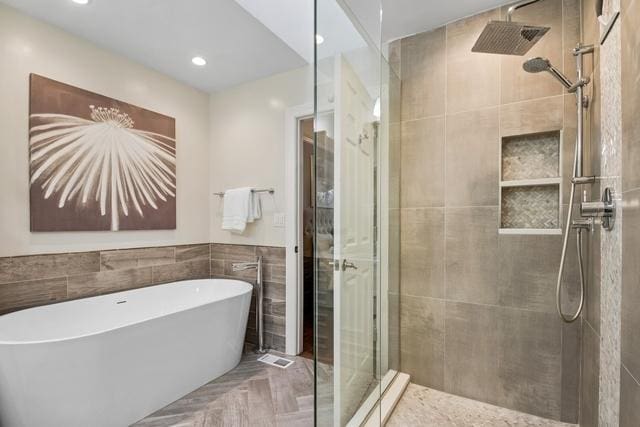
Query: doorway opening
(315, 235)
(307, 203)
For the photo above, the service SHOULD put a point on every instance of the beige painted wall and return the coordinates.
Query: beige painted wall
(30, 46)
(248, 148)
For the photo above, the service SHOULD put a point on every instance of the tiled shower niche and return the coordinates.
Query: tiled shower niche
(531, 183)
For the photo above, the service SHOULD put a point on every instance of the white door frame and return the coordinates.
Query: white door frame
(294, 297)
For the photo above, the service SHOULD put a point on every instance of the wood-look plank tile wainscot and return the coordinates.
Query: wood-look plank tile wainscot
(105, 282)
(191, 262)
(274, 272)
(33, 280)
(19, 295)
(133, 258)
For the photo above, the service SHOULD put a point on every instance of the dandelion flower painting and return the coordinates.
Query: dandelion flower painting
(97, 163)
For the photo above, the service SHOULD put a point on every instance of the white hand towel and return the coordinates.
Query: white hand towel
(237, 209)
(255, 208)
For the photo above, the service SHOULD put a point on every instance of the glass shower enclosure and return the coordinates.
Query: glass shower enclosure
(356, 217)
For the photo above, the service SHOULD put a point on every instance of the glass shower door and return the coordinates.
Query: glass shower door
(354, 249)
(348, 270)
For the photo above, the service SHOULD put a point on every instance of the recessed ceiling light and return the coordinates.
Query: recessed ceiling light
(319, 39)
(199, 61)
(83, 2)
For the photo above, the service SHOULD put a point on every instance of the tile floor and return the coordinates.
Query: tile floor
(421, 406)
(253, 394)
(256, 394)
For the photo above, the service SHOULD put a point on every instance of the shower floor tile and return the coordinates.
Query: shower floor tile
(421, 406)
(251, 394)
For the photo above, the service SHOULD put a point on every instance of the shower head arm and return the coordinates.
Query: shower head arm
(517, 6)
(561, 77)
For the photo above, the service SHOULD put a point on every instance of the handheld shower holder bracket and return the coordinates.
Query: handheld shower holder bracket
(583, 224)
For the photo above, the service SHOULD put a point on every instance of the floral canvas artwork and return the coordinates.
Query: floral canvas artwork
(97, 163)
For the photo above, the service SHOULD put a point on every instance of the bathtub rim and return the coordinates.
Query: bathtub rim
(249, 290)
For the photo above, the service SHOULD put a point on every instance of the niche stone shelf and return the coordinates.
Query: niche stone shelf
(531, 183)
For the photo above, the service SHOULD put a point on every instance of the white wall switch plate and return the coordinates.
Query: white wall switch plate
(278, 220)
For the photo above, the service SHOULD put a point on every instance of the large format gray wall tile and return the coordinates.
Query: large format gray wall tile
(472, 78)
(518, 85)
(592, 305)
(422, 252)
(631, 282)
(571, 34)
(422, 172)
(394, 331)
(631, 95)
(395, 255)
(422, 340)
(528, 271)
(471, 249)
(507, 281)
(472, 148)
(571, 358)
(538, 115)
(423, 67)
(630, 339)
(504, 356)
(591, 26)
(591, 32)
(395, 56)
(629, 399)
(569, 136)
(589, 384)
(395, 165)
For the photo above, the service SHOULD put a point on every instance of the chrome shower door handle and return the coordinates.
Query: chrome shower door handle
(346, 264)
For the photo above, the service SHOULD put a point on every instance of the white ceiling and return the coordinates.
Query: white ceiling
(242, 40)
(166, 34)
(295, 27)
(405, 17)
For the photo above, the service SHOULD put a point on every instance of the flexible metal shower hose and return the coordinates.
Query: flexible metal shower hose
(565, 245)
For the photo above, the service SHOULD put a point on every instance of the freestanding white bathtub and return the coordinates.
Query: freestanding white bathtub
(113, 359)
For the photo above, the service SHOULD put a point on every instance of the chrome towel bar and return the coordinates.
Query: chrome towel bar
(261, 190)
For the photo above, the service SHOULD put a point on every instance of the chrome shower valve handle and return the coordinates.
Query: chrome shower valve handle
(603, 211)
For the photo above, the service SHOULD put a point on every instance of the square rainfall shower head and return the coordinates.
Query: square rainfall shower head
(508, 38)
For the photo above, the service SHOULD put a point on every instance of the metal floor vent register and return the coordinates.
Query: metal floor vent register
(273, 360)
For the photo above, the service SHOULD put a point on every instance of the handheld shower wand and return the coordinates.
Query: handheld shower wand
(537, 65)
